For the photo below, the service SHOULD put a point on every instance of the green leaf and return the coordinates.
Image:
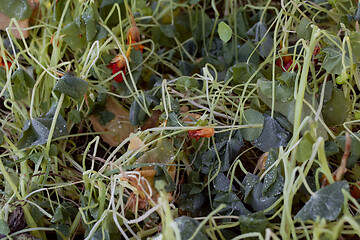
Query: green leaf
(273, 180)
(71, 86)
(75, 116)
(168, 30)
(36, 131)
(185, 84)
(336, 110)
(187, 227)
(241, 72)
(1, 136)
(4, 227)
(101, 234)
(225, 32)
(61, 215)
(137, 114)
(254, 222)
(90, 24)
(355, 144)
(75, 34)
(355, 43)
(282, 92)
(304, 30)
(288, 79)
(201, 25)
(22, 83)
(305, 147)
(274, 131)
(18, 9)
(233, 204)
(326, 203)
(260, 36)
(163, 176)
(252, 117)
(333, 60)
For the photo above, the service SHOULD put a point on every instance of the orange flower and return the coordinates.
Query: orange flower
(133, 35)
(202, 132)
(2, 63)
(118, 64)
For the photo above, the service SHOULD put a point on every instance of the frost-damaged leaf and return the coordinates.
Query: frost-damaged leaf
(273, 135)
(187, 227)
(222, 183)
(282, 92)
(36, 131)
(254, 222)
(325, 203)
(258, 32)
(224, 31)
(18, 9)
(252, 117)
(71, 86)
(233, 204)
(333, 60)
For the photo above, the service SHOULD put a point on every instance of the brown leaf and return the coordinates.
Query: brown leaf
(118, 128)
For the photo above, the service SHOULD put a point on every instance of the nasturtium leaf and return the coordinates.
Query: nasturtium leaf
(191, 200)
(75, 116)
(273, 180)
(259, 34)
(225, 32)
(22, 77)
(61, 215)
(352, 160)
(336, 110)
(233, 204)
(249, 182)
(221, 183)
(137, 114)
(4, 227)
(187, 227)
(287, 78)
(201, 25)
(1, 136)
(169, 30)
(101, 234)
(326, 203)
(333, 60)
(305, 147)
(251, 117)
(186, 68)
(282, 92)
(259, 201)
(355, 144)
(36, 130)
(74, 34)
(304, 29)
(241, 73)
(71, 86)
(246, 51)
(163, 176)
(331, 148)
(242, 22)
(90, 23)
(272, 136)
(186, 84)
(254, 222)
(18, 9)
(355, 43)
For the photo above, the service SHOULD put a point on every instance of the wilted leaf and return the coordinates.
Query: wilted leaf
(252, 117)
(118, 128)
(325, 203)
(163, 176)
(225, 32)
(71, 86)
(187, 227)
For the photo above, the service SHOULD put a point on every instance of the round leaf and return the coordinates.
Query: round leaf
(224, 31)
